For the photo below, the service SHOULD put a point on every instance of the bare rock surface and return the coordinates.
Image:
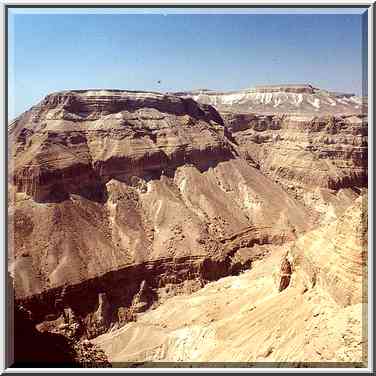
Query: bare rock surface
(128, 212)
(281, 99)
(311, 141)
(250, 318)
(335, 255)
(112, 188)
(304, 152)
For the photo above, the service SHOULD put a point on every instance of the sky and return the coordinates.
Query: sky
(52, 52)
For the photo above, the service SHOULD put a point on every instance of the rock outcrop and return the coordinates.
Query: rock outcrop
(114, 186)
(250, 320)
(119, 201)
(35, 349)
(312, 142)
(305, 152)
(285, 274)
(334, 256)
(75, 142)
(281, 99)
(311, 311)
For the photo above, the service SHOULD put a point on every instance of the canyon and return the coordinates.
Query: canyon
(176, 227)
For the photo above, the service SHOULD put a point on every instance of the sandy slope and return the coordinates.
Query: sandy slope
(242, 319)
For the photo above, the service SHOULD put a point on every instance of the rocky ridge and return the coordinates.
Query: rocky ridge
(132, 187)
(145, 196)
(281, 99)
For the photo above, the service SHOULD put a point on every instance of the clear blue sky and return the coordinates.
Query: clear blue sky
(52, 52)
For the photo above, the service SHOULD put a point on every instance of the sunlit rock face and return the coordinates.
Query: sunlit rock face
(335, 255)
(305, 151)
(121, 200)
(312, 142)
(73, 142)
(304, 303)
(281, 99)
(109, 189)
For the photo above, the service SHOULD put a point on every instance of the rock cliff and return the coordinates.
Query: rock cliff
(305, 151)
(111, 188)
(121, 200)
(281, 99)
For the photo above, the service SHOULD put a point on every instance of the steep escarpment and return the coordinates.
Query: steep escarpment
(311, 141)
(281, 99)
(74, 142)
(116, 197)
(320, 160)
(128, 212)
(94, 306)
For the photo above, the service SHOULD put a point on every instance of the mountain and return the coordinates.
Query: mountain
(121, 200)
(132, 187)
(281, 99)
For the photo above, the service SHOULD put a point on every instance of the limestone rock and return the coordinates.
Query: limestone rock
(123, 201)
(142, 299)
(335, 255)
(122, 178)
(303, 152)
(281, 99)
(285, 274)
(245, 319)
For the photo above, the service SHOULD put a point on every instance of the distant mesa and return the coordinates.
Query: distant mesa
(287, 88)
(281, 99)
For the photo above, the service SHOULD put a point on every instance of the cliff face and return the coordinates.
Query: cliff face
(334, 256)
(119, 200)
(118, 181)
(312, 142)
(305, 151)
(75, 142)
(281, 99)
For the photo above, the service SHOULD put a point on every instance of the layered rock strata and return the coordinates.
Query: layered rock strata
(303, 305)
(334, 256)
(120, 200)
(110, 188)
(309, 151)
(281, 99)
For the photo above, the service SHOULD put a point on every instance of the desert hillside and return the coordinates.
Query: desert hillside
(192, 227)
(255, 317)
